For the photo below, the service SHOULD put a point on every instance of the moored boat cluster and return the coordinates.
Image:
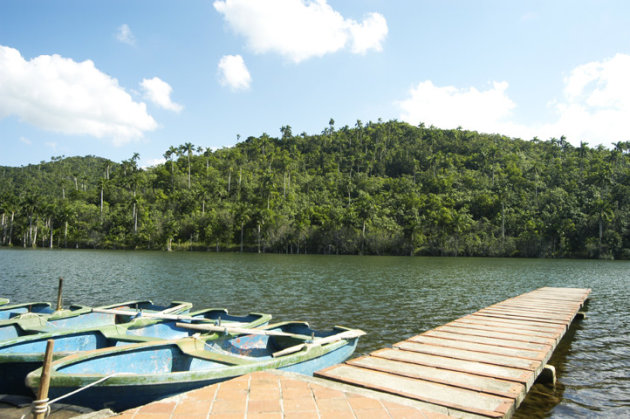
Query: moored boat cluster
(123, 355)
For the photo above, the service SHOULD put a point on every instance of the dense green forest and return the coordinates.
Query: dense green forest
(378, 188)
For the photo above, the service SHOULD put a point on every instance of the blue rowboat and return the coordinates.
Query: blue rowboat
(9, 311)
(24, 354)
(138, 374)
(32, 318)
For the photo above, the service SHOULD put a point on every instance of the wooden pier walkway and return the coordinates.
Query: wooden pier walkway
(481, 365)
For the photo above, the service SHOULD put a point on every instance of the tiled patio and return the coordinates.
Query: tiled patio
(276, 395)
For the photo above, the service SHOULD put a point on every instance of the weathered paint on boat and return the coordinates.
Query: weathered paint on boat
(33, 318)
(21, 355)
(153, 370)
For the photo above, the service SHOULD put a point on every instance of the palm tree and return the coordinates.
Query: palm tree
(187, 148)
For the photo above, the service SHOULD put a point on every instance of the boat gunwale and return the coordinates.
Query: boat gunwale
(188, 347)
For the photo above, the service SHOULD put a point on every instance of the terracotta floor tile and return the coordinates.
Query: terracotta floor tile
(189, 416)
(371, 413)
(265, 381)
(301, 415)
(226, 415)
(158, 407)
(236, 384)
(302, 404)
(226, 406)
(152, 416)
(296, 393)
(291, 383)
(263, 406)
(204, 393)
(340, 405)
(276, 415)
(327, 393)
(336, 415)
(265, 393)
(361, 402)
(229, 394)
(392, 405)
(193, 406)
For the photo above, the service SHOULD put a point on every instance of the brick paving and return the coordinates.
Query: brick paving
(272, 395)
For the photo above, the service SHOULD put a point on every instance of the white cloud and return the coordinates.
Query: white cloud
(596, 103)
(449, 107)
(124, 35)
(301, 29)
(234, 73)
(62, 95)
(159, 92)
(25, 140)
(369, 34)
(594, 107)
(152, 162)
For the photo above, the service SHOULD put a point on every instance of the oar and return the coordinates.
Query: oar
(160, 315)
(349, 334)
(174, 308)
(238, 330)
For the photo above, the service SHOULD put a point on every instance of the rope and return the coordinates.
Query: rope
(24, 315)
(43, 405)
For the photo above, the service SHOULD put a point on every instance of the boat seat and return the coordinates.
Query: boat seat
(191, 346)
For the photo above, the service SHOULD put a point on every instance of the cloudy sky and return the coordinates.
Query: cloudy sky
(110, 78)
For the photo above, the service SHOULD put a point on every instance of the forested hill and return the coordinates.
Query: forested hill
(379, 188)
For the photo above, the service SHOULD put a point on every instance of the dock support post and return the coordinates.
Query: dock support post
(581, 315)
(41, 404)
(548, 375)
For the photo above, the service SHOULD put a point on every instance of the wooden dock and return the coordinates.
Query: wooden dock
(481, 365)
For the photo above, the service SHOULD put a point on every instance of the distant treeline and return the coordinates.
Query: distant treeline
(379, 188)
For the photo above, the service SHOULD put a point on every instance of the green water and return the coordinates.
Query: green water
(391, 298)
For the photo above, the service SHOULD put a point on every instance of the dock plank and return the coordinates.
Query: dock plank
(484, 324)
(506, 361)
(480, 332)
(524, 376)
(563, 318)
(448, 396)
(519, 318)
(443, 376)
(478, 347)
(497, 341)
(515, 322)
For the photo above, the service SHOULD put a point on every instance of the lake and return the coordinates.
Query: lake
(391, 298)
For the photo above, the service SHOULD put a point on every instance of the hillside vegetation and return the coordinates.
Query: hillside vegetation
(378, 188)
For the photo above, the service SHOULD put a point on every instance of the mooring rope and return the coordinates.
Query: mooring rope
(24, 315)
(43, 405)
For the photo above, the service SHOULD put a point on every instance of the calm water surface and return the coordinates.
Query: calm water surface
(391, 298)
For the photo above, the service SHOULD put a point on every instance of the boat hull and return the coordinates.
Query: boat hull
(123, 397)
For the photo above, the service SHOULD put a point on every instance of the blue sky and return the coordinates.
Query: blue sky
(110, 78)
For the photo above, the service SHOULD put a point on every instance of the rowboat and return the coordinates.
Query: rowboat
(21, 355)
(138, 374)
(8, 311)
(33, 318)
